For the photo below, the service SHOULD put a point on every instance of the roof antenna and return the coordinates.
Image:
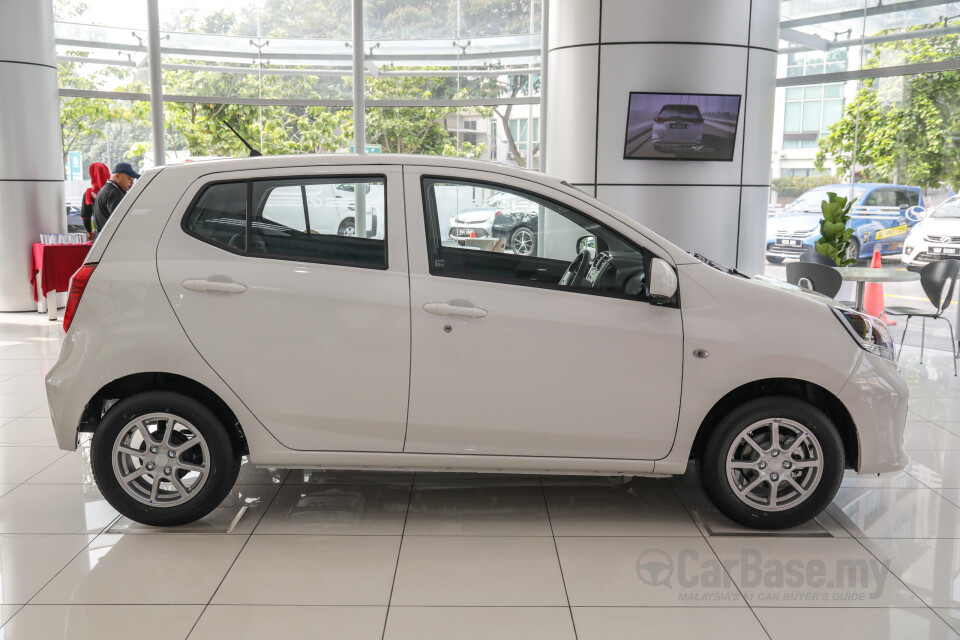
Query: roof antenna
(253, 152)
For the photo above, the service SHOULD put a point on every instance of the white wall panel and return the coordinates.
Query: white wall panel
(26, 32)
(701, 219)
(753, 229)
(574, 22)
(640, 67)
(758, 125)
(676, 21)
(765, 24)
(572, 100)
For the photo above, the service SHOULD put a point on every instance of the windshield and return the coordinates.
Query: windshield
(949, 209)
(810, 201)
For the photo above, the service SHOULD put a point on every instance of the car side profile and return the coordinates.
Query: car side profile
(881, 216)
(188, 347)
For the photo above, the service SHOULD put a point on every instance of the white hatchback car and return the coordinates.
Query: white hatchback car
(613, 351)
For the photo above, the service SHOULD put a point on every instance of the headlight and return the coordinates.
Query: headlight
(869, 332)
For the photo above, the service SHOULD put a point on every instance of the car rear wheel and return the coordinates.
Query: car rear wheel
(774, 259)
(523, 242)
(347, 228)
(163, 459)
(853, 251)
(772, 463)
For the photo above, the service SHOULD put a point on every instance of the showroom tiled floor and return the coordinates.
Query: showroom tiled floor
(365, 556)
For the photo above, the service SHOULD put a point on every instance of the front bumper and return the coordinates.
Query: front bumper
(876, 397)
(798, 247)
(917, 254)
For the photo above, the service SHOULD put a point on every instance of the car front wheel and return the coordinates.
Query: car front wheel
(163, 459)
(774, 259)
(772, 463)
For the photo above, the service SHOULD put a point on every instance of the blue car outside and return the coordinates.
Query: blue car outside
(879, 218)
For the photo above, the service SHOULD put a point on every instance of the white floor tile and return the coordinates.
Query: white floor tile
(445, 479)
(147, 570)
(930, 567)
(311, 570)
(478, 510)
(32, 351)
(618, 511)
(856, 624)
(43, 411)
(715, 623)
(936, 469)
(877, 512)
(479, 623)
(28, 432)
(29, 562)
(934, 409)
(926, 436)
(7, 488)
(337, 510)
(251, 474)
(226, 519)
(73, 468)
(807, 572)
(646, 571)
(17, 406)
(376, 478)
(478, 571)
(898, 480)
(234, 622)
(17, 464)
(16, 367)
(101, 622)
(23, 384)
(55, 508)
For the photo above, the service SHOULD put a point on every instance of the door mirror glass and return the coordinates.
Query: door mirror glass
(663, 280)
(586, 242)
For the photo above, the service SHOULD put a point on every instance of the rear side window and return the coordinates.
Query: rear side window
(333, 221)
(907, 199)
(220, 214)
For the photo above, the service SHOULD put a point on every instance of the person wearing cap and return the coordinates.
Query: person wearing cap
(112, 193)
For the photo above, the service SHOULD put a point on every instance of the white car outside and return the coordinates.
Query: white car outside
(197, 334)
(935, 237)
(677, 126)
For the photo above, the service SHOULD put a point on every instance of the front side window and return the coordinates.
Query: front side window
(485, 231)
(321, 220)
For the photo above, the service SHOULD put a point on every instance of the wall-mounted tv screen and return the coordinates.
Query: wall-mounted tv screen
(681, 126)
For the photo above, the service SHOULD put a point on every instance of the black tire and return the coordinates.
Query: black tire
(347, 223)
(712, 462)
(774, 259)
(853, 251)
(223, 463)
(523, 241)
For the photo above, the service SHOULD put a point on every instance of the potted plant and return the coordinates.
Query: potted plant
(835, 235)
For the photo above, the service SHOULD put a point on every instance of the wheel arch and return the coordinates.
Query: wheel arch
(800, 389)
(161, 381)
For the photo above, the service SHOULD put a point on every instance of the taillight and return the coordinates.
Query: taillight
(698, 121)
(497, 213)
(661, 119)
(77, 284)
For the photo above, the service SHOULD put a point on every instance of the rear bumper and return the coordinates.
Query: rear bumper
(70, 386)
(876, 397)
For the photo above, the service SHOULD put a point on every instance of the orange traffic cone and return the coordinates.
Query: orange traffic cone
(873, 300)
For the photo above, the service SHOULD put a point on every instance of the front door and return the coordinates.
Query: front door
(508, 362)
(309, 327)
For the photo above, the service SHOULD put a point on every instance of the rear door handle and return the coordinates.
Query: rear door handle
(444, 309)
(211, 285)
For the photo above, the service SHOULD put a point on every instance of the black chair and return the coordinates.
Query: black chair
(811, 255)
(938, 279)
(818, 277)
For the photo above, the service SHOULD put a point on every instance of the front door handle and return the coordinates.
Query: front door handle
(211, 285)
(444, 309)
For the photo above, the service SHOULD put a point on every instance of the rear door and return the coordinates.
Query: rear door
(310, 329)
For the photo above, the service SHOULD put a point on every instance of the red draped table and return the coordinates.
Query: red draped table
(52, 266)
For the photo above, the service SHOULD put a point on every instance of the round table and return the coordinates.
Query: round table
(863, 275)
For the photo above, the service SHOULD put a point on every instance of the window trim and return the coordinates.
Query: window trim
(432, 233)
(246, 252)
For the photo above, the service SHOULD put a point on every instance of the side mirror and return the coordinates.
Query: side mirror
(586, 242)
(663, 280)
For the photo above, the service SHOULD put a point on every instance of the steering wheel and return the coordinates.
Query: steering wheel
(577, 270)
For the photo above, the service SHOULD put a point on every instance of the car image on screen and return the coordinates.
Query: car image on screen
(678, 126)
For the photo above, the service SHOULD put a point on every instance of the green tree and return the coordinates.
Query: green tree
(902, 129)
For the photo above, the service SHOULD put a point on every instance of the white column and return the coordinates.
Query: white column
(602, 50)
(31, 160)
(156, 84)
